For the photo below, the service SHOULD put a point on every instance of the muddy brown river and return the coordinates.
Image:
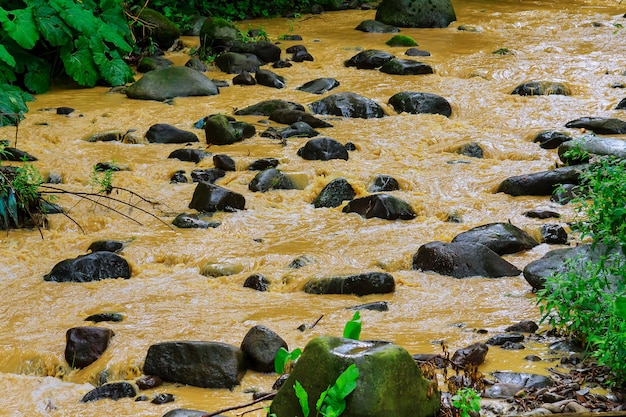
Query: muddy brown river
(579, 42)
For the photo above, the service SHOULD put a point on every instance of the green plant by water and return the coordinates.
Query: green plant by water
(467, 401)
(332, 401)
(588, 299)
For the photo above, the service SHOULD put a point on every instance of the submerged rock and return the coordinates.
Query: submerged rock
(383, 182)
(92, 267)
(398, 66)
(389, 383)
(113, 391)
(193, 221)
(267, 107)
(291, 116)
(361, 284)
(189, 155)
(272, 179)
(541, 88)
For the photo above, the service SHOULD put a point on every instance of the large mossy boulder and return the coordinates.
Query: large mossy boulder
(389, 384)
(217, 35)
(166, 83)
(348, 105)
(201, 364)
(416, 13)
(224, 130)
(155, 28)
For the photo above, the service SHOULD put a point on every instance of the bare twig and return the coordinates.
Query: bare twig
(269, 396)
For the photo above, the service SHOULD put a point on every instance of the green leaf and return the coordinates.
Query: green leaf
(20, 25)
(6, 57)
(79, 63)
(109, 35)
(37, 78)
(620, 307)
(352, 329)
(112, 67)
(280, 360)
(7, 75)
(12, 101)
(77, 17)
(52, 27)
(303, 398)
(346, 382)
(113, 14)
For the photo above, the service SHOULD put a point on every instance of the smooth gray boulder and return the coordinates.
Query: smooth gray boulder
(382, 206)
(347, 105)
(360, 284)
(390, 383)
(418, 103)
(462, 260)
(600, 125)
(416, 13)
(167, 83)
(502, 238)
(269, 79)
(92, 267)
(201, 364)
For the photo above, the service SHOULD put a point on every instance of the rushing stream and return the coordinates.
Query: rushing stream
(579, 42)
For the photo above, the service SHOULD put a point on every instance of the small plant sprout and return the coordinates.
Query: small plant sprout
(332, 401)
(352, 329)
(467, 401)
(284, 357)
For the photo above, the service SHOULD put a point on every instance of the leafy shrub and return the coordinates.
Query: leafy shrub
(41, 39)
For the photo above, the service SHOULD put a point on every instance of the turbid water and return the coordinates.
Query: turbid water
(578, 42)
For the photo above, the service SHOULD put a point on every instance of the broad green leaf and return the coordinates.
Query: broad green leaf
(303, 398)
(280, 360)
(7, 75)
(37, 77)
(20, 25)
(113, 15)
(12, 102)
(112, 67)
(6, 57)
(620, 307)
(51, 26)
(319, 405)
(76, 16)
(110, 35)
(352, 329)
(346, 383)
(79, 63)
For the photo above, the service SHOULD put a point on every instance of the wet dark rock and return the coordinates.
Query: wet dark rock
(217, 35)
(473, 354)
(245, 78)
(523, 379)
(541, 88)
(153, 62)
(555, 261)
(471, 149)
(502, 391)
(271, 179)
(106, 246)
(542, 214)
(209, 197)
(565, 194)
(374, 26)
(289, 117)
(593, 145)
(540, 183)
(84, 345)
(193, 221)
(361, 284)
(369, 59)
(165, 133)
(179, 177)
(13, 154)
(462, 260)
(621, 105)
(196, 64)
(533, 358)
(553, 234)
(149, 382)
(222, 130)
(500, 339)
(301, 56)
(382, 182)
(282, 64)
(224, 162)
(295, 48)
(599, 125)
(262, 164)
(568, 345)
(382, 206)
(267, 107)
(189, 155)
(207, 175)
(92, 267)
(375, 306)
(323, 149)
(350, 146)
(319, 86)
(512, 346)
(292, 38)
(524, 326)
(416, 13)
(390, 382)
(167, 83)
(112, 317)
(301, 261)
(334, 194)
(299, 129)
(419, 103)
(163, 398)
(65, 110)
(398, 66)
(265, 51)
(201, 364)
(257, 282)
(551, 139)
(155, 29)
(183, 412)
(347, 105)
(269, 79)
(260, 345)
(416, 52)
(113, 391)
(502, 238)
(235, 63)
